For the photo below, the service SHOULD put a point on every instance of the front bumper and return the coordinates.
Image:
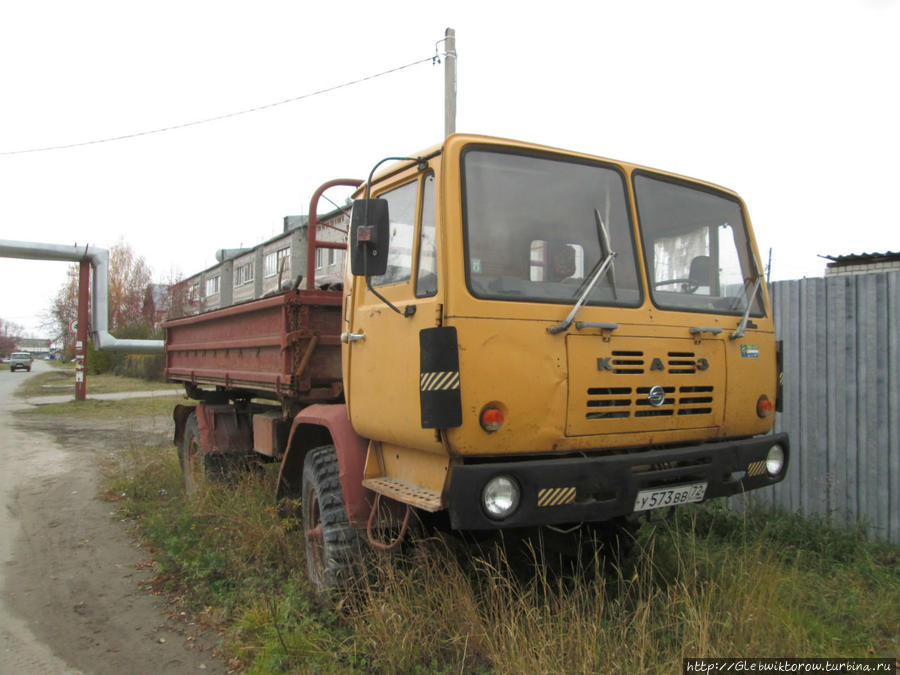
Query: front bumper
(595, 489)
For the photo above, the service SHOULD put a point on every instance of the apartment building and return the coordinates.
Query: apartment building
(248, 273)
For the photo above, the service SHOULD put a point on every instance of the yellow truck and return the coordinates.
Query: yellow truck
(526, 337)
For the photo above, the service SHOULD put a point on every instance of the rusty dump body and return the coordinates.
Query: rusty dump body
(285, 347)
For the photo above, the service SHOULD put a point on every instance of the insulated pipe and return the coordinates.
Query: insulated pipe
(99, 259)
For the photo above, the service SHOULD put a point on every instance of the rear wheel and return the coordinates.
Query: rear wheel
(332, 547)
(191, 454)
(198, 467)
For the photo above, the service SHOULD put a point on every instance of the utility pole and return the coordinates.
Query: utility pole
(449, 82)
(84, 270)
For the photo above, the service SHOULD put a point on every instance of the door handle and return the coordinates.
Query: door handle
(700, 330)
(347, 338)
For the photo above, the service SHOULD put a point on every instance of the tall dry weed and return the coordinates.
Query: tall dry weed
(706, 583)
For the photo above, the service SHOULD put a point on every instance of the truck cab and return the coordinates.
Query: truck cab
(556, 338)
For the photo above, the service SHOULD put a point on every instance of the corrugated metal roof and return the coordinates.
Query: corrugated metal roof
(862, 258)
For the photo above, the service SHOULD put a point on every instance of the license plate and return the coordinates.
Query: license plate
(660, 498)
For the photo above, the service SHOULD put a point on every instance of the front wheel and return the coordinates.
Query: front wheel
(332, 547)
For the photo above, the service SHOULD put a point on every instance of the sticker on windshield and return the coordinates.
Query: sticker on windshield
(476, 265)
(749, 351)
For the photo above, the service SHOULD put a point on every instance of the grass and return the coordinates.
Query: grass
(709, 582)
(97, 409)
(61, 380)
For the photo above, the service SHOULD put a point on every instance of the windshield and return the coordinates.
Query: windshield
(696, 248)
(532, 233)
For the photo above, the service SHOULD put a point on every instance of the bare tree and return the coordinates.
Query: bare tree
(64, 308)
(178, 300)
(129, 276)
(9, 335)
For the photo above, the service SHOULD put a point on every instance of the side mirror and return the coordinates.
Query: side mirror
(369, 237)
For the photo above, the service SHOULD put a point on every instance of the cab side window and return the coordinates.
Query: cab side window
(426, 275)
(402, 211)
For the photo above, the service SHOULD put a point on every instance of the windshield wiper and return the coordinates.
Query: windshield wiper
(742, 326)
(607, 255)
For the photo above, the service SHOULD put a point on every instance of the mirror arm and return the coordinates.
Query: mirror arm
(422, 165)
(372, 289)
(381, 297)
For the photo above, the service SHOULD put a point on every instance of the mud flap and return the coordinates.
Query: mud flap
(439, 393)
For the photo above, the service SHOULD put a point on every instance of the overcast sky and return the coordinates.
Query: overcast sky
(795, 105)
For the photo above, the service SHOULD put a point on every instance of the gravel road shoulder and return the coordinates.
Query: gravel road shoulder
(75, 584)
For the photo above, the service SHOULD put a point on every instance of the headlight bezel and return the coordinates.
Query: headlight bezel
(501, 489)
(775, 460)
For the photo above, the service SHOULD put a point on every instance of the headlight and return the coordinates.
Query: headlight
(775, 460)
(500, 497)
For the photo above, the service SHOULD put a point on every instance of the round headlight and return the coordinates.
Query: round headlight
(775, 460)
(500, 497)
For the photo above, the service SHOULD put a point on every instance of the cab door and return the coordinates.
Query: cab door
(382, 359)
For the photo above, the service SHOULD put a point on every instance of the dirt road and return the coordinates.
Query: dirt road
(72, 596)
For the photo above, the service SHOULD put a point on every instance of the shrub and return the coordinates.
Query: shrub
(143, 366)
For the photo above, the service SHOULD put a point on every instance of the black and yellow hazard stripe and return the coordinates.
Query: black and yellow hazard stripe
(756, 468)
(439, 381)
(556, 496)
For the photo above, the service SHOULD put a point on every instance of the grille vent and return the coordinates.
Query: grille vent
(628, 363)
(625, 402)
(637, 363)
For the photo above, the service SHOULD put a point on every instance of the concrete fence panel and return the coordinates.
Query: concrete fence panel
(841, 399)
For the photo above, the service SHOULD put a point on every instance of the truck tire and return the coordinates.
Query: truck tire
(198, 468)
(191, 455)
(332, 546)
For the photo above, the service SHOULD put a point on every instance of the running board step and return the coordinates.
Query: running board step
(427, 500)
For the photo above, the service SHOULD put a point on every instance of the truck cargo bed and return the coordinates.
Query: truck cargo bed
(285, 346)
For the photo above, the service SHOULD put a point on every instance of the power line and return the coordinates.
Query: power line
(220, 117)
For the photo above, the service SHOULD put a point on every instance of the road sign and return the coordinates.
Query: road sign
(73, 326)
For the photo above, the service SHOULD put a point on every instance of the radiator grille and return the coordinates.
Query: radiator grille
(610, 384)
(623, 402)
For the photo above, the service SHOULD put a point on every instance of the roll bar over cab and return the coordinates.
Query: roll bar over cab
(539, 337)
